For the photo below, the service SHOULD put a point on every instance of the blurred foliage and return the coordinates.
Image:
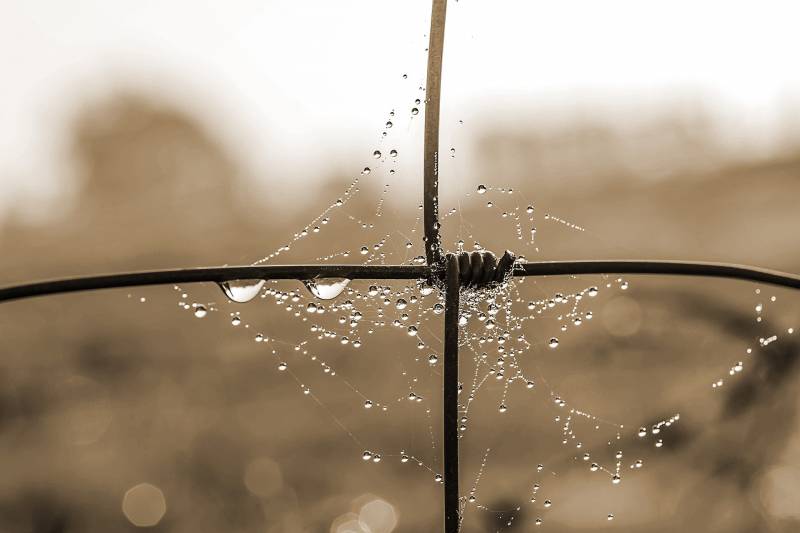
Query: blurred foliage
(100, 393)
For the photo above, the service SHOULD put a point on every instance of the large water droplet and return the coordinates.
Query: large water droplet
(241, 290)
(326, 288)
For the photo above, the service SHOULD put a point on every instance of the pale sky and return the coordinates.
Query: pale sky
(305, 86)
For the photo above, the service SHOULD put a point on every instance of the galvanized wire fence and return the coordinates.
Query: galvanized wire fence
(450, 272)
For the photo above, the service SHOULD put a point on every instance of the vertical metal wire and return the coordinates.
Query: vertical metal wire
(433, 89)
(451, 501)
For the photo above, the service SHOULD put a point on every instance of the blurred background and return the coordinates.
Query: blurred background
(169, 134)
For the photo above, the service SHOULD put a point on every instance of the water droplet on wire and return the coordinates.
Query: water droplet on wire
(326, 288)
(241, 290)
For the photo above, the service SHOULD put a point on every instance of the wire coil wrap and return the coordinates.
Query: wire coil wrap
(479, 269)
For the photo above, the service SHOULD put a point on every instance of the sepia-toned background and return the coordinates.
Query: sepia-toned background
(163, 135)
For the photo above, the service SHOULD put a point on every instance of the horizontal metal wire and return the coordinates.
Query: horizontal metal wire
(300, 272)
(215, 274)
(667, 268)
